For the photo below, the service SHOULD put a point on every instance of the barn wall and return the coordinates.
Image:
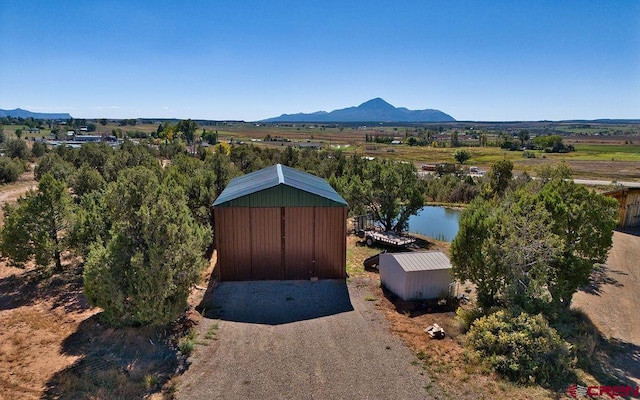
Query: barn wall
(629, 207)
(251, 244)
(391, 275)
(632, 211)
(426, 284)
(233, 238)
(330, 242)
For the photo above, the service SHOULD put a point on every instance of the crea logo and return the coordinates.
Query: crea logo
(577, 391)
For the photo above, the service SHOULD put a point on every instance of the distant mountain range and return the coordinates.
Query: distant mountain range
(20, 113)
(375, 110)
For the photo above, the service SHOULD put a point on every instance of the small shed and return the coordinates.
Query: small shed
(629, 206)
(279, 223)
(416, 275)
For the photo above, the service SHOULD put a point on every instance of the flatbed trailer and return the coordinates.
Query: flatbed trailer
(389, 238)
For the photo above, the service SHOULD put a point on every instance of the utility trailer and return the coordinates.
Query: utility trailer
(365, 228)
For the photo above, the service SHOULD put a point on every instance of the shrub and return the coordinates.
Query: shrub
(55, 165)
(522, 348)
(10, 169)
(17, 148)
(466, 317)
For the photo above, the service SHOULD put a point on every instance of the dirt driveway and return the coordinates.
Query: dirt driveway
(612, 302)
(299, 339)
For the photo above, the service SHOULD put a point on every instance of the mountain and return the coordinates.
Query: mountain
(20, 113)
(375, 110)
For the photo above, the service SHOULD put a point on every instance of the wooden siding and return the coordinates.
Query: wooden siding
(629, 207)
(272, 243)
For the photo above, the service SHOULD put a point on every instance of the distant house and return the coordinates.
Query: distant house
(416, 275)
(629, 206)
(396, 142)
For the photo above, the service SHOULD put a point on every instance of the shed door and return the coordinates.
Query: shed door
(298, 242)
(266, 244)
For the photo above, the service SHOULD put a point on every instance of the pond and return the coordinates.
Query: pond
(437, 222)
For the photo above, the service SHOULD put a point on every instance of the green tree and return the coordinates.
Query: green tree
(393, 193)
(500, 176)
(462, 156)
(143, 272)
(52, 163)
(535, 246)
(188, 130)
(584, 220)
(86, 179)
(19, 133)
(38, 227)
(471, 257)
(523, 135)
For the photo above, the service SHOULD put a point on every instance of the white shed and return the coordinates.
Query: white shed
(416, 275)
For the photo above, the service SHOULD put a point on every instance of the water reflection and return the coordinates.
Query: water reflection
(437, 222)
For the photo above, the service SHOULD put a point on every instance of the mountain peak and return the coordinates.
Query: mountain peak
(374, 110)
(376, 103)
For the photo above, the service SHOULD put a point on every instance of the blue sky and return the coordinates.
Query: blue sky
(475, 60)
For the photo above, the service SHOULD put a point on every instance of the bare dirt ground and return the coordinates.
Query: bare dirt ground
(53, 346)
(612, 303)
(11, 192)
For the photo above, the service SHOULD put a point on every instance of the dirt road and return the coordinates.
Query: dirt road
(292, 340)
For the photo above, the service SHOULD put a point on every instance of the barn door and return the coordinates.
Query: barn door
(266, 244)
(298, 242)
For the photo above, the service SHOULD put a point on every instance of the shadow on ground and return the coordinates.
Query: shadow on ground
(275, 302)
(38, 284)
(630, 231)
(602, 275)
(611, 361)
(124, 363)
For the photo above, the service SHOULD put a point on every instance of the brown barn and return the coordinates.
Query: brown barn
(629, 201)
(279, 223)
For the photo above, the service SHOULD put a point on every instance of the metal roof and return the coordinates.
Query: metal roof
(422, 261)
(274, 176)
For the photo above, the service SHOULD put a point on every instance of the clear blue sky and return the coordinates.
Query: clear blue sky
(475, 60)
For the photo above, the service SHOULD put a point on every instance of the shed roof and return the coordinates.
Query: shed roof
(422, 261)
(273, 176)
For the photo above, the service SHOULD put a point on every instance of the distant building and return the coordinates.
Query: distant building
(88, 138)
(396, 142)
(307, 145)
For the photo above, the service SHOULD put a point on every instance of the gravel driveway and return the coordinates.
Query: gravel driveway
(299, 340)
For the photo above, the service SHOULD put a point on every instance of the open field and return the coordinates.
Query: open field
(603, 150)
